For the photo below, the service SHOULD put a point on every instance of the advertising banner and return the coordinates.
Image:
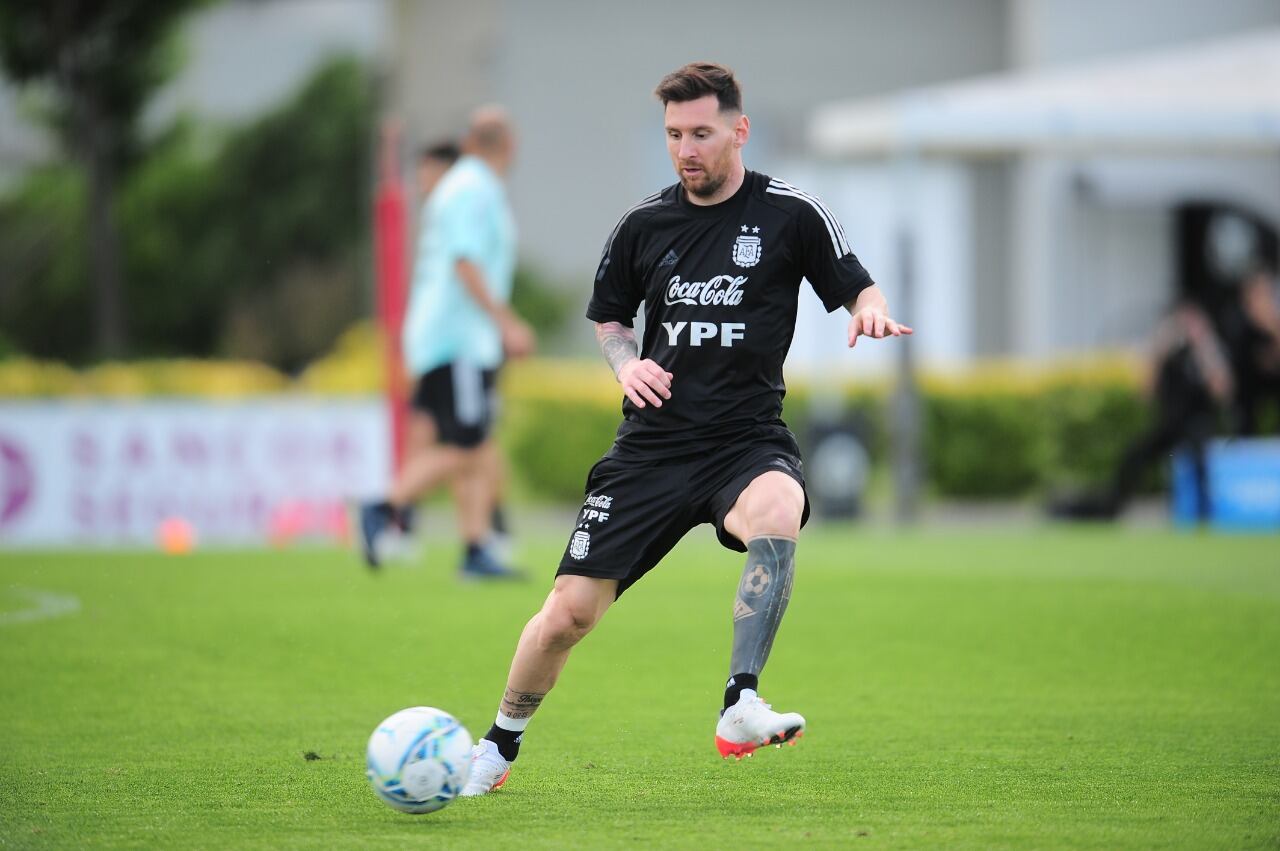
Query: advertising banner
(1243, 482)
(108, 473)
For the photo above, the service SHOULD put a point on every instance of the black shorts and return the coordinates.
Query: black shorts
(462, 400)
(636, 510)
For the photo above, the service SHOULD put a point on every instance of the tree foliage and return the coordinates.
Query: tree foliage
(253, 247)
(103, 58)
(100, 62)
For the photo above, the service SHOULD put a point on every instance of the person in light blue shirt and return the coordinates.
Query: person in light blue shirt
(466, 219)
(458, 329)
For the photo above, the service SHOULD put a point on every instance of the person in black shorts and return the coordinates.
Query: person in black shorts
(458, 328)
(433, 397)
(717, 260)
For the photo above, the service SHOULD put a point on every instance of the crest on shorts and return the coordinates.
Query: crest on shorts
(580, 544)
(747, 248)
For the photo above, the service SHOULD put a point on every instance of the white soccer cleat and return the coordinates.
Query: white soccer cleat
(751, 723)
(488, 770)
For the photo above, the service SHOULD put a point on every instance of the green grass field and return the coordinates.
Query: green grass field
(1076, 689)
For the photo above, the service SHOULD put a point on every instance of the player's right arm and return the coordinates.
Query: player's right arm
(641, 379)
(614, 301)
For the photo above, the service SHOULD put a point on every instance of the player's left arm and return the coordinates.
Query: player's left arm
(836, 275)
(870, 317)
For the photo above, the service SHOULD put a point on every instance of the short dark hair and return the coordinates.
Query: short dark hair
(699, 79)
(446, 151)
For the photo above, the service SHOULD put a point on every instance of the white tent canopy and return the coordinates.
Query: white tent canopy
(1215, 97)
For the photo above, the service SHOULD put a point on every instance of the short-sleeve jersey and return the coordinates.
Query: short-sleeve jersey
(720, 285)
(466, 217)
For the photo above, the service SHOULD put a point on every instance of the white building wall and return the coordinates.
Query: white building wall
(579, 78)
(872, 202)
(1058, 32)
(1091, 244)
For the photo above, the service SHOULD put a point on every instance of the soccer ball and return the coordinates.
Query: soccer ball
(419, 759)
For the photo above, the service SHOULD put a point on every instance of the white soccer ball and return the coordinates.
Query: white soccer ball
(419, 759)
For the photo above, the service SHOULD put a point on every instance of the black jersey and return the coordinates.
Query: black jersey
(720, 285)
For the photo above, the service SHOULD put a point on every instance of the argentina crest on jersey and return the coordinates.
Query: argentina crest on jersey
(746, 248)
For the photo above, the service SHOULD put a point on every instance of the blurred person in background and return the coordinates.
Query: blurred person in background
(458, 328)
(717, 259)
(434, 160)
(1240, 256)
(1189, 381)
(1255, 351)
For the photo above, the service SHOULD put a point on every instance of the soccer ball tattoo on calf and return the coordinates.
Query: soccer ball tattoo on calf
(762, 599)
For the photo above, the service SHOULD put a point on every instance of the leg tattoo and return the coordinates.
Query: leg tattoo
(519, 704)
(513, 717)
(762, 599)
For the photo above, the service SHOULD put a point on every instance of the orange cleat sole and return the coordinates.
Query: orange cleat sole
(738, 750)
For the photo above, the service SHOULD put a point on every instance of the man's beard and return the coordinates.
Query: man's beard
(708, 187)
(713, 178)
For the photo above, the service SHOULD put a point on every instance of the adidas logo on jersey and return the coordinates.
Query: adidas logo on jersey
(670, 259)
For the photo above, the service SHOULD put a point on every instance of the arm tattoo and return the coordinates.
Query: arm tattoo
(521, 704)
(618, 342)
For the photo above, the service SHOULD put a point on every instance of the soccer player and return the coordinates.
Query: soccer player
(457, 330)
(717, 259)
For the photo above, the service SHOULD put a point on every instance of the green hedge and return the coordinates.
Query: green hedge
(552, 444)
(982, 438)
(985, 445)
(1086, 428)
(990, 432)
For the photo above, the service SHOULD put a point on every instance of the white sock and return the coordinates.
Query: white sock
(515, 725)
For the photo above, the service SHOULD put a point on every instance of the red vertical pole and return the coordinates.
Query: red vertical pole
(391, 261)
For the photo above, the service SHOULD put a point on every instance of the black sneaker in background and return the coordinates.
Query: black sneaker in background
(375, 519)
(481, 564)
